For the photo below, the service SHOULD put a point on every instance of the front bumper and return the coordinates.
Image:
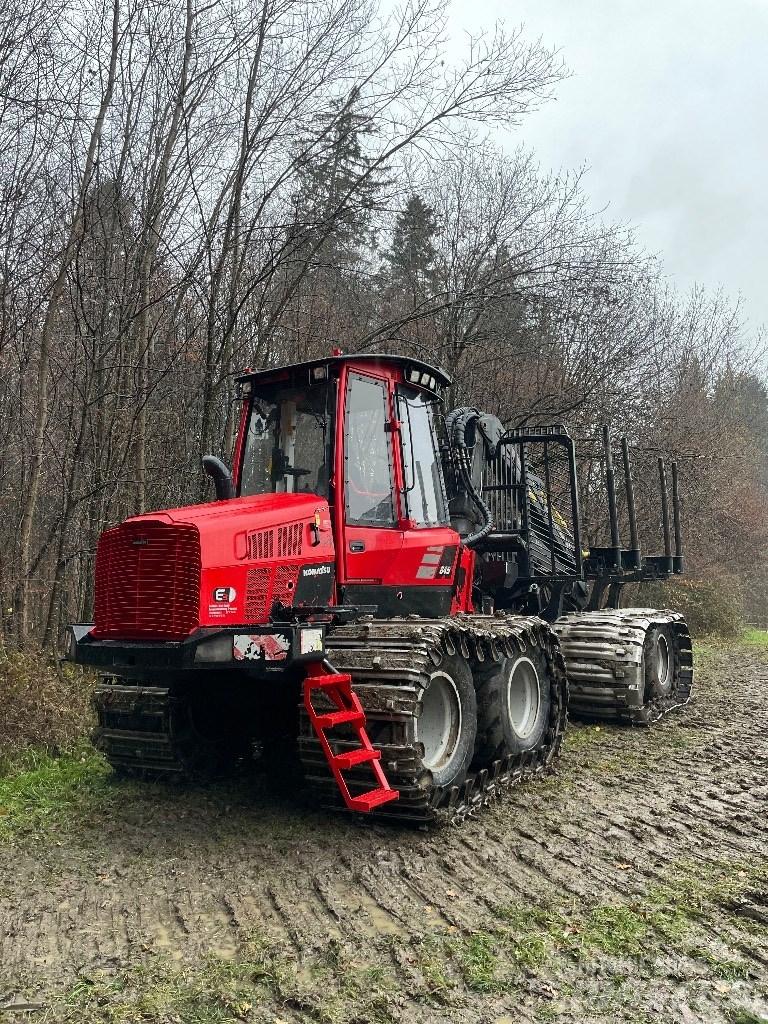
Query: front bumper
(250, 650)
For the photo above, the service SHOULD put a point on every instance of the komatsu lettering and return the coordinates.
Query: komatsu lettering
(316, 570)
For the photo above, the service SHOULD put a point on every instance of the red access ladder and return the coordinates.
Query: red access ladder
(349, 711)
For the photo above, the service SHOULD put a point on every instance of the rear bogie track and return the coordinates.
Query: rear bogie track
(615, 660)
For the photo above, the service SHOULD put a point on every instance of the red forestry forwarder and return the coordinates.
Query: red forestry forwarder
(404, 591)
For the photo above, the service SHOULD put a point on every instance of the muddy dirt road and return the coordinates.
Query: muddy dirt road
(632, 886)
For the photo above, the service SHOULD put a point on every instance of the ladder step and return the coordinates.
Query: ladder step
(332, 718)
(329, 682)
(373, 798)
(349, 711)
(352, 757)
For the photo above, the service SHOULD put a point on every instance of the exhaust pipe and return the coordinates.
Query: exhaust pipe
(222, 478)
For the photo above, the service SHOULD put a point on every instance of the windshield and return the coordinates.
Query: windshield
(288, 441)
(424, 488)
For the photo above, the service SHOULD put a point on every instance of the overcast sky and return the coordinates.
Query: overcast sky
(668, 107)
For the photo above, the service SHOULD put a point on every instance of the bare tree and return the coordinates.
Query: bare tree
(190, 188)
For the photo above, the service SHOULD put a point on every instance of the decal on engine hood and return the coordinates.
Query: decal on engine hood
(436, 563)
(315, 584)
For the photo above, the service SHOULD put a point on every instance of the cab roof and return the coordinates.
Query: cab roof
(257, 376)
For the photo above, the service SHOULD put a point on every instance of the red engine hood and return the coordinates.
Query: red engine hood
(162, 575)
(279, 504)
(226, 526)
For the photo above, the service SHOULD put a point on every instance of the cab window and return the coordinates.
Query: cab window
(288, 441)
(422, 471)
(367, 455)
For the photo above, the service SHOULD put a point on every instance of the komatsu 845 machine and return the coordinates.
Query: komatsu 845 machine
(396, 594)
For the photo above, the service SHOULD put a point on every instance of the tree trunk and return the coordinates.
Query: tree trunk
(30, 499)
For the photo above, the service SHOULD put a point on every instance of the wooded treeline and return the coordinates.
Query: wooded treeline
(189, 188)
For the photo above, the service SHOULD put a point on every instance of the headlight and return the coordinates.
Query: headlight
(218, 649)
(310, 641)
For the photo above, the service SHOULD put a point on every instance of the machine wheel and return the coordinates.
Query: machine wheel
(514, 697)
(447, 725)
(659, 662)
(626, 664)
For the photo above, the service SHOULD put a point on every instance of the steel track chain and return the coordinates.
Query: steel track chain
(135, 728)
(390, 661)
(603, 653)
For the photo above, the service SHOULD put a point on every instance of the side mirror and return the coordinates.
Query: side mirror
(222, 478)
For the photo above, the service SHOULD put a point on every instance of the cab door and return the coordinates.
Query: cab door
(366, 468)
(399, 551)
(429, 554)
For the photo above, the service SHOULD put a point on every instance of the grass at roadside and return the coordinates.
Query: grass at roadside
(756, 638)
(40, 793)
(43, 705)
(707, 649)
(668, 910)
(329, 986)
(749, 637)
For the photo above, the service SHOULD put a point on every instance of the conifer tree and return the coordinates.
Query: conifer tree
(413, 253)
(338, 191)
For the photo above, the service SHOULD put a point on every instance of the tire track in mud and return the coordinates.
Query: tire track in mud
(193, 873)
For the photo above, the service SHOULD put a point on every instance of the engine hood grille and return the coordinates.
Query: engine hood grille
(148, 581)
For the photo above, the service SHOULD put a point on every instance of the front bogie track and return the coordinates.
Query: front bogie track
(392, 664)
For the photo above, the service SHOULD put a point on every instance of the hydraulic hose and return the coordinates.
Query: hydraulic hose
(461, 423)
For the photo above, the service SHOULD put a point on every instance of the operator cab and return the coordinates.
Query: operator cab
(362, 433)
(288, 441)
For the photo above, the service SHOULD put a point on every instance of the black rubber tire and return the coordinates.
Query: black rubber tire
(654, 685)
(453, 771)
(496, 735)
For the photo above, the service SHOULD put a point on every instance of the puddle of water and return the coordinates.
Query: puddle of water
(382, 921)
(162, 938)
